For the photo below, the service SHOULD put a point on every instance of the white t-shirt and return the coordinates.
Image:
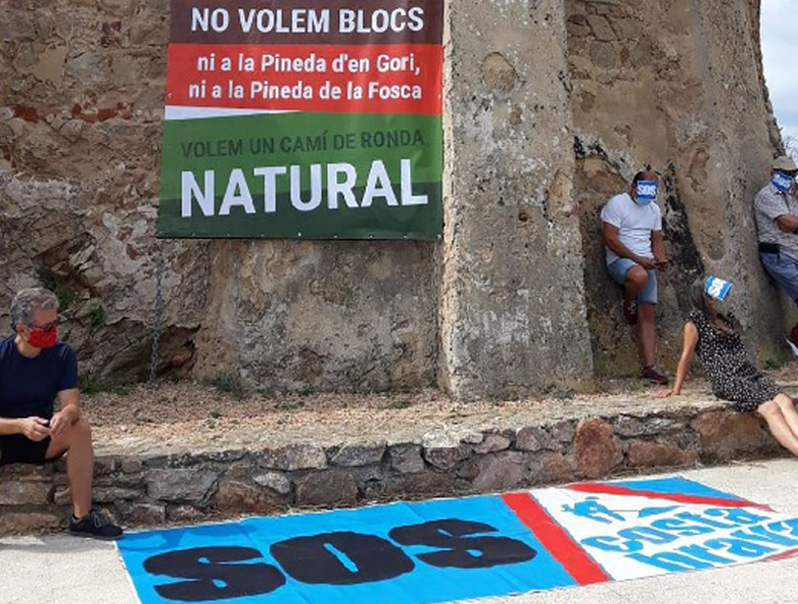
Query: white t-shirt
(635, 224)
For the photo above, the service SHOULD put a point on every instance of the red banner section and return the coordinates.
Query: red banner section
(560, 544)
(395, 78)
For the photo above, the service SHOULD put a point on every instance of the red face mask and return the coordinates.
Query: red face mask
(43, 339)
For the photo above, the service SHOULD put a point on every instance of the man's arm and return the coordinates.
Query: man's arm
(612, 240)
(34, 428)
(69, 401)
(788, 223)
(776, 209)
(9, 426)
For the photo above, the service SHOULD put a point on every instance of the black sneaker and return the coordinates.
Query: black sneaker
(95, 525)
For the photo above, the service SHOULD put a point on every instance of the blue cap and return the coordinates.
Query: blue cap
(717, 288)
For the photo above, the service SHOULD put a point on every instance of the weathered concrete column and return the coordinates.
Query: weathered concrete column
(512, 312)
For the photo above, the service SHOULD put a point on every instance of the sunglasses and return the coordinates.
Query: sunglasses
(45, 328)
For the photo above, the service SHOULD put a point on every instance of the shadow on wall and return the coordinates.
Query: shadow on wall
(615, 352)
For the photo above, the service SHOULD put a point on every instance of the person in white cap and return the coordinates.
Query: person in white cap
(776, 212)
(635, 251)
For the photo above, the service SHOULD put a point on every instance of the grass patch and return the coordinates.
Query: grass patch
(565, 395)
(98, 316)
(399, 403)
(774, 363)
(227, 383)
(66, 296)
(89, 386)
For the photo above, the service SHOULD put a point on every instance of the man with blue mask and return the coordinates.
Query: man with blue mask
(632, 230)
(776, 212)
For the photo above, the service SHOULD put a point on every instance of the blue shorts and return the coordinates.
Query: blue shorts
(784, 271)
(618, 270)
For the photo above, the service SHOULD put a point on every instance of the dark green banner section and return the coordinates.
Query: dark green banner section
(377, 222)
(300, 175)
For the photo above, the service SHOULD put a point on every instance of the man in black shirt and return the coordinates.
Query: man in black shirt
(35, 371)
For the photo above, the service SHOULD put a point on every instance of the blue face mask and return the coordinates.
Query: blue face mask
(646, 191)
(717, 289)
(782, 181)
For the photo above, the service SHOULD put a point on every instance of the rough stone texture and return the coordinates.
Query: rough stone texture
(512, 286)
(80, 127)
(352, 316)
(237, 496)
(492, 444)
(184, 513)
(20, 493)
(563, 431)
(500, 471)
(556, 468)
(275, 481)
(677, 85)
(726, 435)
(333, 487)
(143, 513)
(179, 484)
(446, 458)
(426, 484)
(359, 455)
(597, 450)
(550, 106)
(533, 438)
(406, 459)
(211, 484)
(633, 426)
(294, 457)
(654, 454)
(25, 522)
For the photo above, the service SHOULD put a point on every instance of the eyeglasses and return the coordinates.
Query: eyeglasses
(45, 328)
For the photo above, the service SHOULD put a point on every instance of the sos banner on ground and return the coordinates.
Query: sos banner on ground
(459, 549)
(303, 119)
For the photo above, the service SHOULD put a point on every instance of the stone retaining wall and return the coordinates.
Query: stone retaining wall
(166, 489)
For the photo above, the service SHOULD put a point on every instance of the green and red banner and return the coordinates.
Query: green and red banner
(318, 119)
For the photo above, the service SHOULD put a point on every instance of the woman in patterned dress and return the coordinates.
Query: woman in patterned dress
(717, 340)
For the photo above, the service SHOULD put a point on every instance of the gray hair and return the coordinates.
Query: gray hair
(27, 301)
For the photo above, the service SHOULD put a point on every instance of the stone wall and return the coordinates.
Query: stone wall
(550, 106)
(675, 84)
(153, 490)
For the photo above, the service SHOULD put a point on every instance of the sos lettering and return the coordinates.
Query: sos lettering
(338, 558)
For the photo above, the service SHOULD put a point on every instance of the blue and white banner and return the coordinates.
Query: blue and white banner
(459, 549)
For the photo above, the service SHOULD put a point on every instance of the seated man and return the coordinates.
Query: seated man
(632, 230)
(35, 370)
(776, 212)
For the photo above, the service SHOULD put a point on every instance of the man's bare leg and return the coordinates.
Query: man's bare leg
(647, 334)
(76, 441)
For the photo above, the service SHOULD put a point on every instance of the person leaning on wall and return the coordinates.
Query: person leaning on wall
(776, 213)
(715, 335)
(635, 249)
(35, 371)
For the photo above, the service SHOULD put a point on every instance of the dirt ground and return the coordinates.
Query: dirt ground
(190, 417)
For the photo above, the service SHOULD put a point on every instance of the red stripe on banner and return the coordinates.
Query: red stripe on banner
(390, 77)
(555, 539)
(608, 489)
(792, 553)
